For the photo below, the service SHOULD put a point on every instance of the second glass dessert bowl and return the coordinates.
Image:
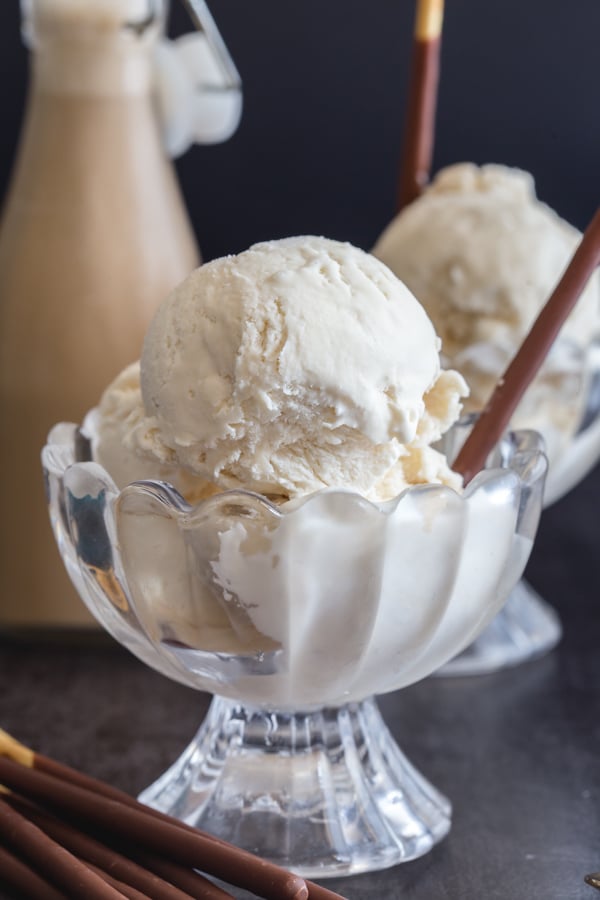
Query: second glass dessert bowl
(527, 626)
(295, 617)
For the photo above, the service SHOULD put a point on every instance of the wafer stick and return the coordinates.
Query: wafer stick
(15, 750)
(60, 866)
(92, 851)
(419, 127)
(16, 874)
(125, 889)
(159, 835)
(494, 419)
(186, 880)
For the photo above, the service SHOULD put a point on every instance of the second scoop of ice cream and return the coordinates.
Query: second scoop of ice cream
(297, 365)
(483, 255)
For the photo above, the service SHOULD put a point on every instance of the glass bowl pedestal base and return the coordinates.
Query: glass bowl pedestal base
(322, 793)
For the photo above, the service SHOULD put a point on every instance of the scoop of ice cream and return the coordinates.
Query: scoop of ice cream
(297, 365)
(483, 255)
(119, 411)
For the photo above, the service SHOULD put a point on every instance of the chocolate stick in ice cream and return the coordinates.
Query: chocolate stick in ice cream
(494, 419)
(422, 99)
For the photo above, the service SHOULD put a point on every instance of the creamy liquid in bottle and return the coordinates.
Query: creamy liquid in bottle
(93, 236)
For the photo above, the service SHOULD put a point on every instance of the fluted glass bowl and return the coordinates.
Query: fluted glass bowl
(295, 616)
(527, 626)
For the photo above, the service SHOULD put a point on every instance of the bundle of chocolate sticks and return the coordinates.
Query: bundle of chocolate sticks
(66, 834)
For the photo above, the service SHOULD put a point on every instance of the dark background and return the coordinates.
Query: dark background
(317, 150)
(324, 92)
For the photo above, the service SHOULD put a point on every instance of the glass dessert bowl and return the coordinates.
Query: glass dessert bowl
(485, 255)
(527, 626)
(295, 617)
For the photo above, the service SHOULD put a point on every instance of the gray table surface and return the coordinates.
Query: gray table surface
(517, 752)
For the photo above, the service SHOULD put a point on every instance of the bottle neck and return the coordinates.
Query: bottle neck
(92, 46)
(93, 66)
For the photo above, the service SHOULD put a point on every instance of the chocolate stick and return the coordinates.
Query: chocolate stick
(494, 419)
(25, 756)
(161, 836)
(19, 752)
(419, 124)
(317, 892)
(16, 874)
(58, 864)
(125, 889)
(92, 851)
(186, 879)
(195, 885)
(15, 750)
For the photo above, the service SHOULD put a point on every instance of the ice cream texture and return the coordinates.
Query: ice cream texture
(297, 365)
(483, 255)
(119, 411)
